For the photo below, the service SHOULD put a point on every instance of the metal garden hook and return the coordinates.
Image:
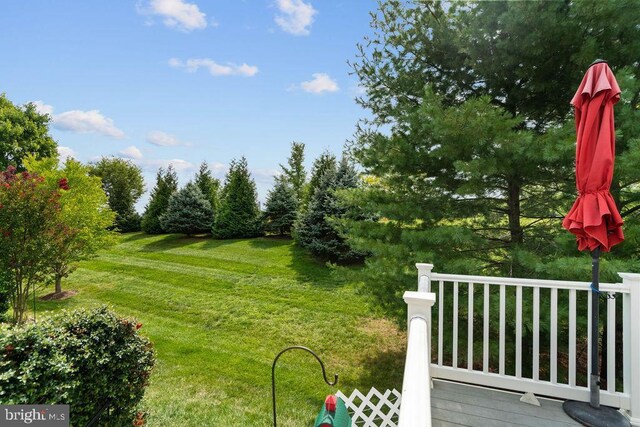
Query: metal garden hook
(273, 375)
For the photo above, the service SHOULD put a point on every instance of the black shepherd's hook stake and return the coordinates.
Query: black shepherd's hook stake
(273, 375)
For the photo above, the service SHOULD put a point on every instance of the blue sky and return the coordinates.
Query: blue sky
(186, 81)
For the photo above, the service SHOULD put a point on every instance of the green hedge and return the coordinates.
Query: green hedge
(81, 358)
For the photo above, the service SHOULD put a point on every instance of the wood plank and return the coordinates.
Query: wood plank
(447, 415)
(551, 410)
(495, 417)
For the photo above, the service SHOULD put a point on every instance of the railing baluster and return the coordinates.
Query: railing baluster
(440, 320)
(536, 333)
(470, 329)
(589, 338)
(626, 343)
(553, 359)
(611, 345)
(502, 328)
(454, 359)
(485, 340)
(572, 337)
(519, 331)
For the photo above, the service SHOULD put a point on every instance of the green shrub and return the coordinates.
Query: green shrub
(81, 358)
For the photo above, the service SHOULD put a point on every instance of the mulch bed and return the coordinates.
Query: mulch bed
(58, 296)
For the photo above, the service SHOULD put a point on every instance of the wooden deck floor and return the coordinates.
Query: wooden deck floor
(454, 404)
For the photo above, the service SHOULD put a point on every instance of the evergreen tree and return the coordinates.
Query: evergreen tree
(238, 215)
(294, 174)
(189, 212)
(209, 186)
(166, 185)
(281, 209)
(469, 147)
(321, 165)
(316, 230)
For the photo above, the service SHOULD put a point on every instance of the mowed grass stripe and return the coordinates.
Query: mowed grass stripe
(288, 291)
(218, 312)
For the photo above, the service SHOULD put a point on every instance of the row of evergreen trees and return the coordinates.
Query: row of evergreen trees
(305, 209)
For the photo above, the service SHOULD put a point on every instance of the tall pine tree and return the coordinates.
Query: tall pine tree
(238, 215)
(166, 185)
(325, 162)
(469, 146)
(209, 186)
(294, 173)
(316, 230)
(281, 209)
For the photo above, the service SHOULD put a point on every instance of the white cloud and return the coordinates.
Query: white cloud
(65, 152)
(266, 176)
(87, 122)
(295, 16)
(80, 121)
(175, 14)
(230, 69)
(131, 152)
(178, 164)
(320, 83)
(43, 108)
(163, 139)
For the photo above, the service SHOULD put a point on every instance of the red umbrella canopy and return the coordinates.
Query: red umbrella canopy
(594, 217)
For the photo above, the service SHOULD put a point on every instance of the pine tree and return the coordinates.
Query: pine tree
(209, 186)
(238, 215)
(281, 209)
(321, 165)
(189, 212)
(294, 174)
(166, 185)
(317, 231)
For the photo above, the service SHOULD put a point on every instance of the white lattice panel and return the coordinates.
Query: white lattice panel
(373, 410)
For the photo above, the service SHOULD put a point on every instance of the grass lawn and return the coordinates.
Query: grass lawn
(219, 311)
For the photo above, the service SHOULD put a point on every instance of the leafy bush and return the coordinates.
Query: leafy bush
(81, 358)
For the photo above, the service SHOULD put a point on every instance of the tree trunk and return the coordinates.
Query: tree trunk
(513, 204)
(58, 284)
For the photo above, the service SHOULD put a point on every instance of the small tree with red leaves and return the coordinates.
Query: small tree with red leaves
(29, 228)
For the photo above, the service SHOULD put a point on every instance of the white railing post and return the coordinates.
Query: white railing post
(632, 333)
(415, 408)
(424, 277)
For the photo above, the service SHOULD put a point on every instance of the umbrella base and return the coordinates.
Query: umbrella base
(585, 414)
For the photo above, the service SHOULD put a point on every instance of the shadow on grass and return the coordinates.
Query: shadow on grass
(133, 237)
(383, 370)
(172, 241)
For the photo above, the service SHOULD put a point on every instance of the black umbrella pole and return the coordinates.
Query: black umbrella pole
(595, 329)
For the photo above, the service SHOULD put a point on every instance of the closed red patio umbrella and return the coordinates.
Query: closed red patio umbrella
(594, 217)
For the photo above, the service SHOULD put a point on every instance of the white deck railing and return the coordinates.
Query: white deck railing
(452, 289)
(415, 409)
